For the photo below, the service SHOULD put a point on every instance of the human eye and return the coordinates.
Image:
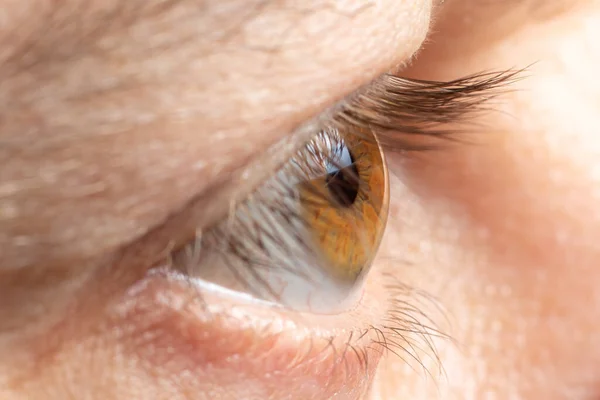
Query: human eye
(283, 278)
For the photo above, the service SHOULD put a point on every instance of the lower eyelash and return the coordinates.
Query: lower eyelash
(408, 329)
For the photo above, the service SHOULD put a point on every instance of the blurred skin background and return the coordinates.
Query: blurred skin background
(115, 114)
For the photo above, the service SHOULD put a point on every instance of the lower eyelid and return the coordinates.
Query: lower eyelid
(215, 334)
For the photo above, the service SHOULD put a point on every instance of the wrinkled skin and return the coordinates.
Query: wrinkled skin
(108, 128)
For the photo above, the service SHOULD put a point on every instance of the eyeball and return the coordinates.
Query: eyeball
(306, 238)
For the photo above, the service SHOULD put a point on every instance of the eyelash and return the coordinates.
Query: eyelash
(415, 115)
(405, 115)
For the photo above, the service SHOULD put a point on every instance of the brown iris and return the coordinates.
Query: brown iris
(346, 208)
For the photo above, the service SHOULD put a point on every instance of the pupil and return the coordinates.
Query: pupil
(342, 178)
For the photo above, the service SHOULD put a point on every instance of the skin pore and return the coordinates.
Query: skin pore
(109, 128)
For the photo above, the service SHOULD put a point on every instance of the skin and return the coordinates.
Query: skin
(108, 129)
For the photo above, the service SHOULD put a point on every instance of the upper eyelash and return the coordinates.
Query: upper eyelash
(402, 112)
